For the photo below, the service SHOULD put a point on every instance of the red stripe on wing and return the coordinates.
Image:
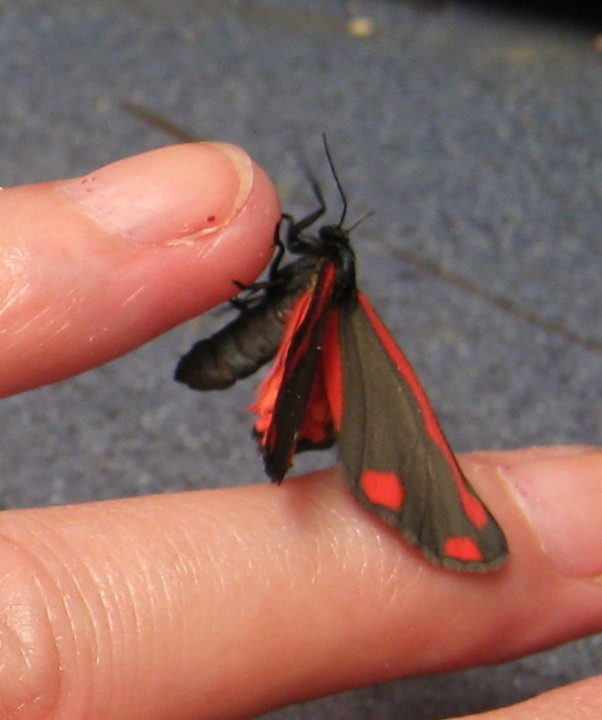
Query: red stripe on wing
(292, 406)
(332, 368)
(474, 509)
(267, 392)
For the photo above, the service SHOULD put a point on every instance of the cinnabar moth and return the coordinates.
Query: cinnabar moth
(339, 375)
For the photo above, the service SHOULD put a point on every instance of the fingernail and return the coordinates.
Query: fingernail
(167, 196)
(562, 499)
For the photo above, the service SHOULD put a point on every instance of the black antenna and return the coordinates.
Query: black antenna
(336, 179)
(365, 216)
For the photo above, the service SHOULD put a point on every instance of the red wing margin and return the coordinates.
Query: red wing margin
(396, 458)
(292, 405)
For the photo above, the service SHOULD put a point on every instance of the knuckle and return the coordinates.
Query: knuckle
(36, 638)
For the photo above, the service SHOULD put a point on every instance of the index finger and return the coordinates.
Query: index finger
(223, 604)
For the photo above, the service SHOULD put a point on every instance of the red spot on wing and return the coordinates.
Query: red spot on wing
(382, 488)
(474, 509)
(462, 548)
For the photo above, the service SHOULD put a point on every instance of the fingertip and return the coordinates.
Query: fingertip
(559, 494)
(169, 195)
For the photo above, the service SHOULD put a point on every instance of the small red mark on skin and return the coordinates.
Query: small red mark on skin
(462, 548)
(383, 488)
(211, 218)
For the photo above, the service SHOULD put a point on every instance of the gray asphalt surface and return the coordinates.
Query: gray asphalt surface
(474, 134)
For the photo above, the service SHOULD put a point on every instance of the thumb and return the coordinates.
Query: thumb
(94, 266)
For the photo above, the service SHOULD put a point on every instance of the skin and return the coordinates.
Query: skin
(157, 607)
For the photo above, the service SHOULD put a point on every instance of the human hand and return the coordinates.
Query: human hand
(226, 603)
